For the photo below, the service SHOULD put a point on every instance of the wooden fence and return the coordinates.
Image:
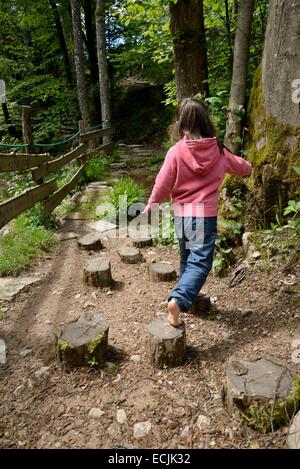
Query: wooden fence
(42, 165)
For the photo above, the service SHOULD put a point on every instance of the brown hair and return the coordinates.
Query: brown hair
(193, 121)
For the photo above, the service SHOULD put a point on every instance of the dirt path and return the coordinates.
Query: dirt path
(43, 407)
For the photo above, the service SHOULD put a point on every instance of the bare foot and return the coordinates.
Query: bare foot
(174, 312)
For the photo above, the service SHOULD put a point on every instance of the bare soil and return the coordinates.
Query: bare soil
(52, 411)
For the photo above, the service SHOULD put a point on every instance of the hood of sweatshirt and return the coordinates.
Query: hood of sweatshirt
(200, 155)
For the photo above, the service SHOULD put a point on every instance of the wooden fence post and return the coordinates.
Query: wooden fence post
(27, 129)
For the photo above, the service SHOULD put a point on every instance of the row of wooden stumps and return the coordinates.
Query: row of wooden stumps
(84, 342)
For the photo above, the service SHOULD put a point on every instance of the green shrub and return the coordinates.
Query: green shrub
(22, 244)
(95, 170)
(126, 187)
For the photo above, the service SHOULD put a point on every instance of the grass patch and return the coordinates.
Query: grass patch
(125, 187)
(25, 242)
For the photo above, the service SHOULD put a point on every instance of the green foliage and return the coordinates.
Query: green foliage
(271, 416)
(95, 170)
(166, 235)
(125, 187)
(24, 242)
(221, 260)
(36, 217)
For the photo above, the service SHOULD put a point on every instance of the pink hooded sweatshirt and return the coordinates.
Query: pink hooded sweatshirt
(192, 173)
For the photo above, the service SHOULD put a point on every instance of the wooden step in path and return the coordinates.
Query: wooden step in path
(162, 272)
(130, 255)
(91, 242)
(97, 272)
(202, 305)
(166, 344)
(83, 343)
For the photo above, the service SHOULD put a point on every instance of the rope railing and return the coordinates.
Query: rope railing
(62, 142)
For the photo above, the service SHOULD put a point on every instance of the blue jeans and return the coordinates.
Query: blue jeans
(196, 237)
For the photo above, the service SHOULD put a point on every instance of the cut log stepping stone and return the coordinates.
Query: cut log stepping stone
(166, 344)
(201, 305)
(130, 255)
(91, 242)
(266, 393)
(142, 242)
(83, 343)
(162, 272)
(98, 272)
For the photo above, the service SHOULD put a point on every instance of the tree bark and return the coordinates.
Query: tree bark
(104, 83)
(236, 108)
(274, 113)
(189, 44)
(62, 42)
(228, 28)
(27, 129)
(89, 21)
(79, 63)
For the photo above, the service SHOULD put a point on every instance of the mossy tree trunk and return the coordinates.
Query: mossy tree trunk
(236, 108)
(188, 35)
(274, 115)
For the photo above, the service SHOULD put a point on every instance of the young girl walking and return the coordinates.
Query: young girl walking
(192, 173)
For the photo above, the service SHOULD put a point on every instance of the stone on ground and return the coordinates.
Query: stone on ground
(102, 226)
(203, 422)
(10, 287)
(201, 305)
(166, 344)
(121, 416)
(264, 391)
(66, 236)
(2, 352)
(96, 413)
(76, 216)
(97, 273)
(130, 255)
(162, 272)
(91, 242)
(117, 165)
(83, 342)
(293, 438)
(141, 430)
(25, 352)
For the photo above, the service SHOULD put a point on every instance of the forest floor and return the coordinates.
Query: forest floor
(44, 407)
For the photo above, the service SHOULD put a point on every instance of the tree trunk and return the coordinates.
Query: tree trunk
(236, 108)
(274, 113)
(228, 28)
(79, 63)
(105, 97)
(188, 35)
(92, 53)
(10, 127)
(62, 42)
(27, 129)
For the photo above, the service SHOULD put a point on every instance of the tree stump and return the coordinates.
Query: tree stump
(266, 393)
(166, 344)
(201, 305)
(91, 242)
(83, 343)
(98, 272)
(142, 242)
(130, 255)
(162, 272)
